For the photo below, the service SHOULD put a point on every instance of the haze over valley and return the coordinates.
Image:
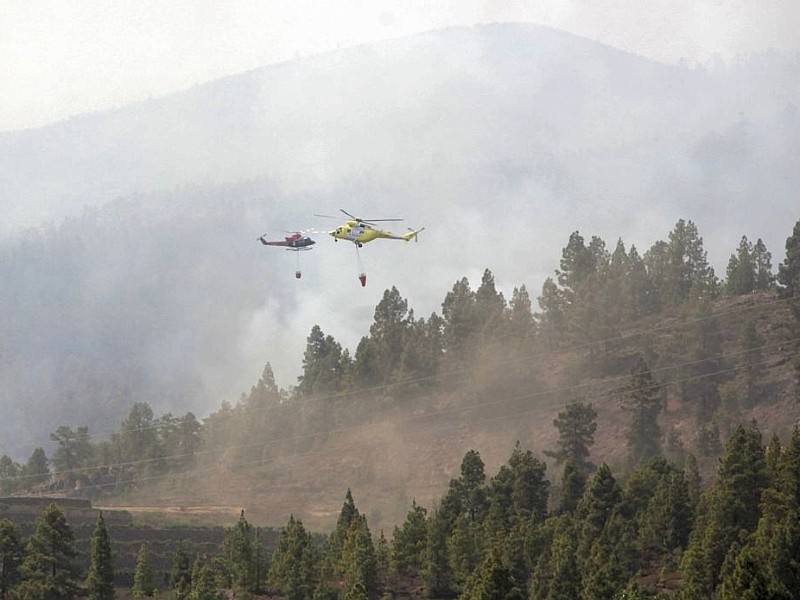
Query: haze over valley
(143, 280)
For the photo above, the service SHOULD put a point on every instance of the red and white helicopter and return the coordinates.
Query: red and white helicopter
(297, 241)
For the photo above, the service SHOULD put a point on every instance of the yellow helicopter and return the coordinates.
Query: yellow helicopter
(360, 231)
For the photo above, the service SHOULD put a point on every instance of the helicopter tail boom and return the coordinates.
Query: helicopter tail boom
(412, 235)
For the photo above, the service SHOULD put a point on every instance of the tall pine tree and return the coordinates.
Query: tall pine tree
(100, 581)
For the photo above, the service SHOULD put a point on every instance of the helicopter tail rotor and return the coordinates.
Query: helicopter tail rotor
(412, 234)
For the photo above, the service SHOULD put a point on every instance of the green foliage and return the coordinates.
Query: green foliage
(36, 470)
(595, 508)
(789, 269)
(358, 561)
(687, 273)
(437, 572)
(490, 310)
(556, 575)
(144, 578)
(293, 562)
(464, 548)
(703, 370)
(741, 272)
(48, 568)
(180, 576)
(203, 585)
(576, 425)
(409, 542)
(731, 509)
(100, 580)
(643, 400)
(239, 561)
(379, 355)
(460, 320)
(335, 547)
(492, 580)
(9, 475)
(789, 280)
(74, 449)
(521, 490)
(322, 365)
(522, 325)
(552, 319)
(573, 484)
(11, 554)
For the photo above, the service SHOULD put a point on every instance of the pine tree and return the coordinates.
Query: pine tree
(203, 585)
(702, 374)
(552, 319)
(74, 449)
(180, 577)
(470, 485)
(763, 262)
(595, 508)
(576, 425)
(492, 580)
(322, 365)
(11, 554)
(748, 579)
(388, 336)
(556, 575)
(688, 273)
(777, 539)
(667, 519)
(573, 484)
(520, 317)
(490, 308)
(144, 580)
(383, 556)
(409, 542)
(48, 568)
(789, 269)
(464, 547)
(531, 490)
(576, 266)
(789, 280)
(333, 552)
(9, 475)
(731, 509)
(358, 561)
(36, 470)
(460, 320)
(437, 571)
(292, 567)
(741, 272)
(241, 562)
(639, 287)
(642, 399)
(100, 581)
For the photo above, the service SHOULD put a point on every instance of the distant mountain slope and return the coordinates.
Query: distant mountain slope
(500, 139)
(484, 96)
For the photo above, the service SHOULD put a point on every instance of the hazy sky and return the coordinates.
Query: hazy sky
(63, 58)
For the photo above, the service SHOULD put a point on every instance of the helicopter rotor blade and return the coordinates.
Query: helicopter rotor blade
(360, 220)
(367, 221)
(327, 217)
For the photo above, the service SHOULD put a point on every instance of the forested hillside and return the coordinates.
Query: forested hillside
(652, 354)
(140, 280)
(671, 470)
